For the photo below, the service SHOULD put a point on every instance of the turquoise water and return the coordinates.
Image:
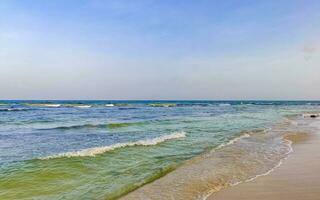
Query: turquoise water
(104, 149)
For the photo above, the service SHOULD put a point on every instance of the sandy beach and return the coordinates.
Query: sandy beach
(297, 178)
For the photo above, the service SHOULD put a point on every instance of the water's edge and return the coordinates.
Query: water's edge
(214, 190)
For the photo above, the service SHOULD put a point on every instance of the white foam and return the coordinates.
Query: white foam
(13, 109)
(211, 192)
(224, 104)
(246, 135)
(109, 105)
(272, 169)
(99, 150)
(84, 106)
(52, 105)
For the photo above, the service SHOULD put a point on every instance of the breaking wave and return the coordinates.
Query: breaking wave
(99, 150)
(43, 105)
(224, 104)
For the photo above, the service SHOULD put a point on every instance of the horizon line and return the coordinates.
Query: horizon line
(158, 100)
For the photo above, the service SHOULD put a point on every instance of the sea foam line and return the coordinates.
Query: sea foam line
(290, 150)
(99, 150)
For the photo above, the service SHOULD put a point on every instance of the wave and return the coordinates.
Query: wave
(117, 105)
(127, 108)
(76, 127)
(96, 126)
(13, 109)
(125, 124)
(162, 105)
(43, 105)
(77, 105)
(100, 150)
(224, 104)
(121, 104)
(83, 106)
(245, 135)
(247, 157)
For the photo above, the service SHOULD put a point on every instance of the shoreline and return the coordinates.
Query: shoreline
(296, 178)
(197, 179)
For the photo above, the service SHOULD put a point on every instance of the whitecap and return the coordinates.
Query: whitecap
(83, 106)
(99, 150)
(224, 104)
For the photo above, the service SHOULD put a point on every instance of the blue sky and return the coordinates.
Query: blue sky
(159, 49)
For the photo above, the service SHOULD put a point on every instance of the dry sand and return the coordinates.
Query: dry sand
(298, 178)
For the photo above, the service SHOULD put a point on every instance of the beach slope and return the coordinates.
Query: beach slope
(296, 179)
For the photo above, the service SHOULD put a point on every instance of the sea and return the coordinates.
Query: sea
(80, 149)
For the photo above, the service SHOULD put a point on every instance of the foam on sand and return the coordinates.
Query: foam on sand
(99, 150)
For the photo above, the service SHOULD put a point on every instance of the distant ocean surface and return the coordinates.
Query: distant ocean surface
(105, 149)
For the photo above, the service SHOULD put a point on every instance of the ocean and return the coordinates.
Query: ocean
(106, 149)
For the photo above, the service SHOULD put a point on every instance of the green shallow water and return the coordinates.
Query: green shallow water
(110, 174)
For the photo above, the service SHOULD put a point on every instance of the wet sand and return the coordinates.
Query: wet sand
(298, 177)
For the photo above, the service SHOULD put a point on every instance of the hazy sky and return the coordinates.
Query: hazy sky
(160, 49)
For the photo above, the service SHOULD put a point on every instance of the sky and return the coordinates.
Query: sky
(160, 49)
